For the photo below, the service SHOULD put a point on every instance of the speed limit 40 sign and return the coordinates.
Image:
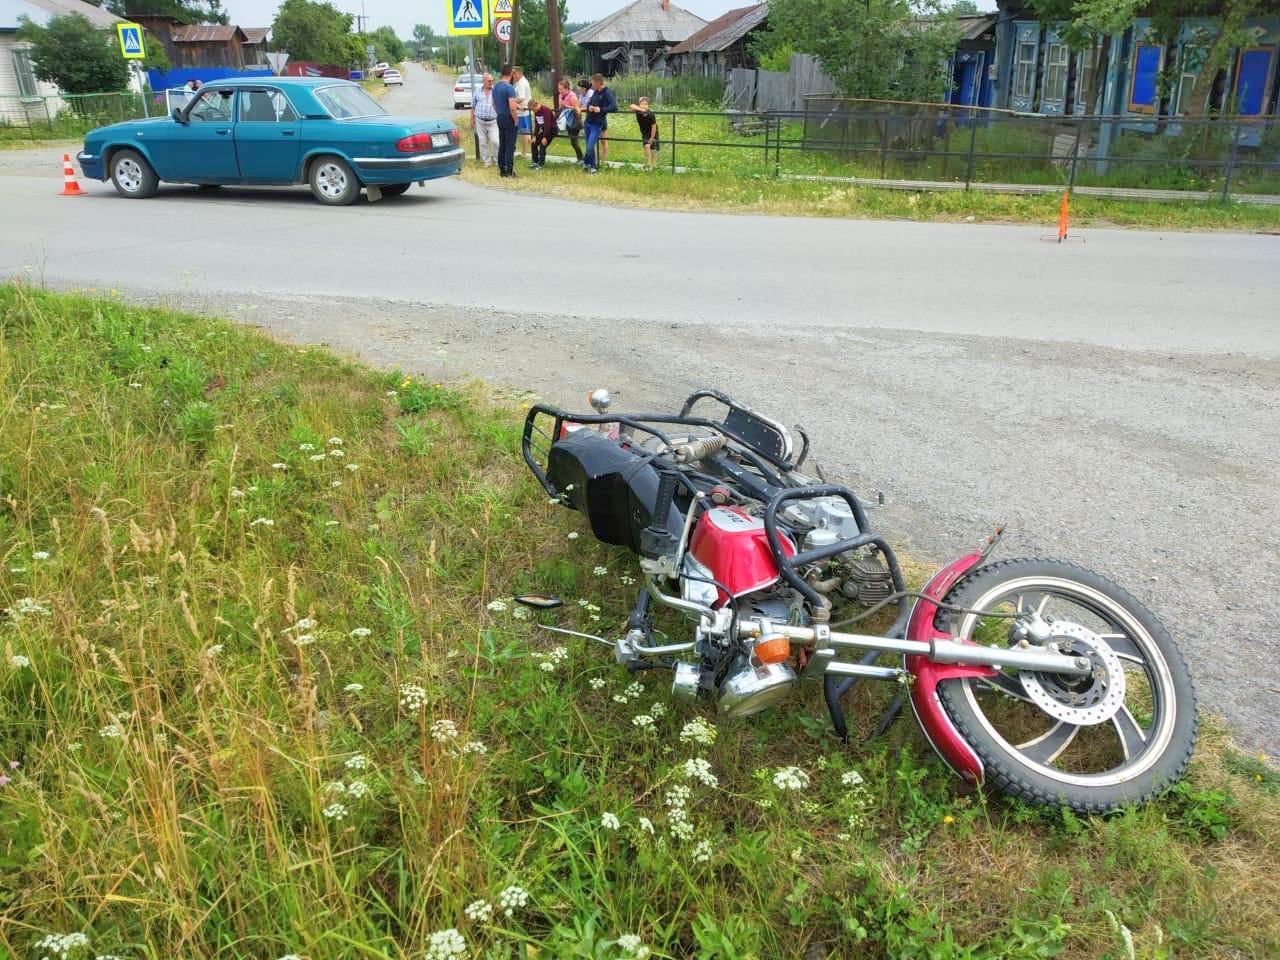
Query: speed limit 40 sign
(502, 30)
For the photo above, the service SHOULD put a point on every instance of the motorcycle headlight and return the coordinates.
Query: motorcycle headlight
(750, 689)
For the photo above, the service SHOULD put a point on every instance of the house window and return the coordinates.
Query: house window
(22, 70)
(1025, 70)
(1055, 72)
(1193, 58)
(1148, 58)
(638, 60)
(1087, 66)
(1254, 71)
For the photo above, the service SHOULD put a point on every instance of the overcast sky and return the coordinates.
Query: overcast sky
(403, 14)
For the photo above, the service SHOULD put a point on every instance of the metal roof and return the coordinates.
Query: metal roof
(725, 30)
(42, 11)
(974, 27)
(207, 33)
(644, 21)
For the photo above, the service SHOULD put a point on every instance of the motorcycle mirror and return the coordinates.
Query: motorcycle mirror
(539, 601)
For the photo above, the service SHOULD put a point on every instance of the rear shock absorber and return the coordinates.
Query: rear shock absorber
(696, 450)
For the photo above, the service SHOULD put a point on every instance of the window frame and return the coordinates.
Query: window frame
(1061, 69)
(24, 70)
(1024, 70)
(240, 102)
(1151, 107)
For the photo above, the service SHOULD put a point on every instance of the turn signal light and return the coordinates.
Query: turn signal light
(455, 135)
(774, 649)
(418, 143)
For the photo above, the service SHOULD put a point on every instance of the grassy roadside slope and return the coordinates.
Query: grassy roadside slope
(260, 696)
(752, 193)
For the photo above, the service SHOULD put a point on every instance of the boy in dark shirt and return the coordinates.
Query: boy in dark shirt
(648, 131)
(544, 131)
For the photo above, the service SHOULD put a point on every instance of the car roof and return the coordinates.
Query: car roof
(308, 83)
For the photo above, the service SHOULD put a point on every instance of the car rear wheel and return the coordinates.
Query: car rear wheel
(395, 189)
(333, 182)
(132, 176)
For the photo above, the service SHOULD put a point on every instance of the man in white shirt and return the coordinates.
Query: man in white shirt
(484, 120)
(523, 94)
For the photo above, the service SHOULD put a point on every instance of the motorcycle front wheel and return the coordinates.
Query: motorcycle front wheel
(1118, 736)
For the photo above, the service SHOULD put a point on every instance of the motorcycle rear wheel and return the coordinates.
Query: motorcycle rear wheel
(1091, 766)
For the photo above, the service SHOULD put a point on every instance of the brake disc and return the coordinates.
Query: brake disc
(1085, 701)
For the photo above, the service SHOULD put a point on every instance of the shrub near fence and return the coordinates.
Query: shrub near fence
(72, 115)
(667, 91)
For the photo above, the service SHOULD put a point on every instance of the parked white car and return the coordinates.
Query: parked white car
(392, 77)
(462, 91)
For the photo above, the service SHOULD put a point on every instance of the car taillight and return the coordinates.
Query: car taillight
(459, 88)
(415, 144)
(455, 135)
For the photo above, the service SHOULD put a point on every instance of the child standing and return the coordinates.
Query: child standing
(648, 131)
(544, 131)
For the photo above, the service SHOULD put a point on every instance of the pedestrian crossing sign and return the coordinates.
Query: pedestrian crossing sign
(468, 17)
(130, 35)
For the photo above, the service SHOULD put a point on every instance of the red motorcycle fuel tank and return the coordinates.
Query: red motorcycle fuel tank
(733, 545)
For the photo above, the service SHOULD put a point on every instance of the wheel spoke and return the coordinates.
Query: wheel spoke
(1133, 740)
(1047, 747)
(1008, 685)
(1124, 646)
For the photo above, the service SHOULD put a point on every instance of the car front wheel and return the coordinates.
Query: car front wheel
(333, 182)
(132, 176)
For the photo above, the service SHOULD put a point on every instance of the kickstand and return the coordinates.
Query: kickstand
(835, 690)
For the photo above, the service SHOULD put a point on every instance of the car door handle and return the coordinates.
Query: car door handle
(286, 133)
(222, 133)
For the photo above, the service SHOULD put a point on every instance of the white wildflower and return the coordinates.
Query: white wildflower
(479, 911)
(645, 824)
(512, 899)
(702, 852)
(279, 466)
(642, 722)
(287, 956)
(496, 606)
(596, 683)
(446, 945)
(150, 581)
(40, 555)
(27, 607)
(573, 534)
(357, 761)
(633, 947)
(851, 778)
(335, 483)
(304, 447)
(62, 944)
(353, 688)
(111, 731)
(609, 821)
(353, 467)
(331, 523)
(658, 709)
(442, 731)
(306, 623)
(559, 654)
(699, 768)
(361, 632)
(520, 613)
(335, 441)
(262, 522)
(600, 571)
(619, 698)
(18, 661)
(634, 689)
(546, 666)
(237, 493)
(317, 457)
(790, 778)
(304, 639)
(358, 789)
(476, 747)
(335, 811)
(213, 649)
(337, 453)
(412, 696)
(334, 786)
(698, 731)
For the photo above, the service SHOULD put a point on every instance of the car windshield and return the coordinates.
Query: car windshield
(346, 101)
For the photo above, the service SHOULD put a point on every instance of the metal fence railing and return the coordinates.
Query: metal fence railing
(956, 148)
(665, 91)
(72, 115)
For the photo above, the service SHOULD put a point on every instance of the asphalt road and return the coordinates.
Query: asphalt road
(1115, 401)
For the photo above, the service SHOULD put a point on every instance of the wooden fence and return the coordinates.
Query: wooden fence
(764, 90)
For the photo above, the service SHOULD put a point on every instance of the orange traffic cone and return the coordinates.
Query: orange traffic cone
(1063, 218)
(70, 186)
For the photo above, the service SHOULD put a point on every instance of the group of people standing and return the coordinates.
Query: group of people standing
(506, 110)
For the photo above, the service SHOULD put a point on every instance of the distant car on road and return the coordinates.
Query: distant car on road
(392, 78)
(380, 68)
(330, 134)
(462, 91)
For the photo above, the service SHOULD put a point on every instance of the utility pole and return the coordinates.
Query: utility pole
(557, 57)
(360, 19)
(515, 31)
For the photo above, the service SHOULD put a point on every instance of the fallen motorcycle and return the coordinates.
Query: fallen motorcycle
(1039, 677)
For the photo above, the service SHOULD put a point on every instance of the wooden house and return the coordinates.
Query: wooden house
(636, 38)
(722, 45)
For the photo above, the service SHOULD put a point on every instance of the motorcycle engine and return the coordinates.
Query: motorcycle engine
(861, 577)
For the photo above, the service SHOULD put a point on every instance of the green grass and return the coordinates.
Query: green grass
(756, 194)
(182, 733)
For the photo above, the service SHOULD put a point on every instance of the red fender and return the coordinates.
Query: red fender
(937, 726)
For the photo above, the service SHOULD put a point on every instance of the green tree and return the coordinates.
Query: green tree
(424, 37)
(317, 32)
(74, 54)
(390, 48)
(877, 49)
(186, 11)
(964, 8)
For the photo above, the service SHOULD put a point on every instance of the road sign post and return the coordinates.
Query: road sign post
(471, 59)
(132, 49)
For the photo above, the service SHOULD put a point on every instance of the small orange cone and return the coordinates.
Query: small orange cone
(1063, 218)
(70, 186)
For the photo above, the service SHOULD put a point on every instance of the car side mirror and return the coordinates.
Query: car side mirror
(177, 115)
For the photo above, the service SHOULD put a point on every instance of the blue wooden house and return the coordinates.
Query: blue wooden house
(1035, 72)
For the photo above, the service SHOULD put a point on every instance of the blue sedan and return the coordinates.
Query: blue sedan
(272, 130)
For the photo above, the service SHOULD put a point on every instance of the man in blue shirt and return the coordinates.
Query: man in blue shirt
(504, 105)
(602, 104)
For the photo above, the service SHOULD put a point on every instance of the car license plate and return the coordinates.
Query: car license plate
(439, 140)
